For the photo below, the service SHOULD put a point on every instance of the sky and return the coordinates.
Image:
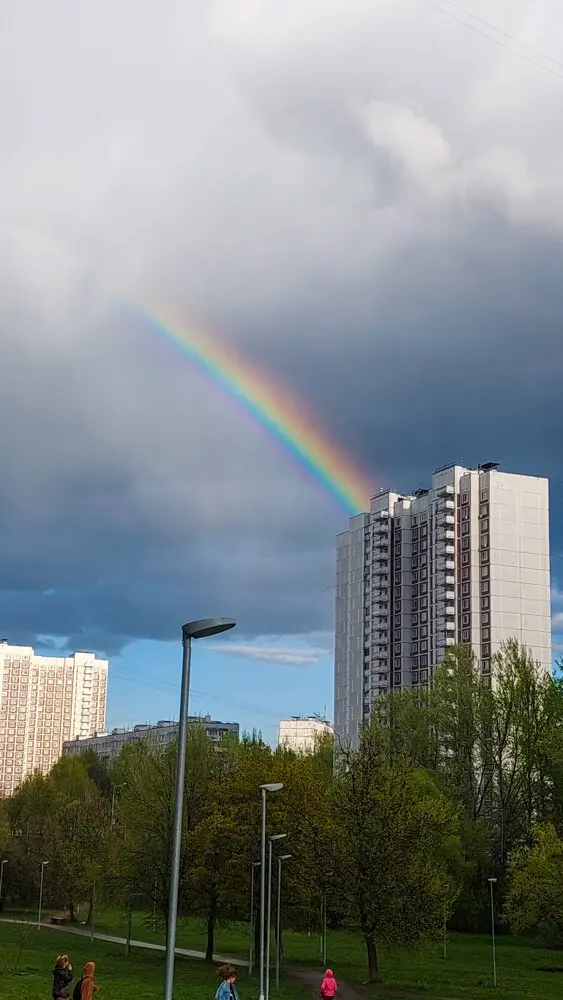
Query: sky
(365, 200)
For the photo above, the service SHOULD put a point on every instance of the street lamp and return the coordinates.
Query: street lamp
(192, 630)
(491, 883)
(281, 858)
(272, 787)
(323, 916)
(122, 785)
(2, 863)
(273, 840)
(254, 864)
(43, 867)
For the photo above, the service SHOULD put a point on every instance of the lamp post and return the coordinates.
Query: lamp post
(273, 840)
(272, 787)
(491, 883)
(282, 857)
(43, 867)
(2, 864)
(254, 864)
(122, 785)
(192, 630)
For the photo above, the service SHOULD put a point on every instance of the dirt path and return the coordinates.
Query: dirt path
(312, 981)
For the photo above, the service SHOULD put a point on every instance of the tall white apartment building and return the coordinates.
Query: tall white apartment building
(466, 561)
(300, 734)
(45, 700)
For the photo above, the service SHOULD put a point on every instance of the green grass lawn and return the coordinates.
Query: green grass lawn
(27, 958)
(466, 972)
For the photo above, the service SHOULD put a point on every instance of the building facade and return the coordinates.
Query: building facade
(300, 735)
(161, 735)
(44, 700)
(466, 561)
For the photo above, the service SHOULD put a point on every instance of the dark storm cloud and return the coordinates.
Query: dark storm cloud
(367, 204)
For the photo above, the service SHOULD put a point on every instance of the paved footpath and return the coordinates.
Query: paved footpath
(148, 945)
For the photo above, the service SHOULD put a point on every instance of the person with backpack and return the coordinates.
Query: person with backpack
(329, 985)
(227, 989)
(62, 978)
(86, 987)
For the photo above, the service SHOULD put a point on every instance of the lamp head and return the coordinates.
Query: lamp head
(206, 626)
(275, 786)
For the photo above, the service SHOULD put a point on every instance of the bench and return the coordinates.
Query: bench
(58, 919)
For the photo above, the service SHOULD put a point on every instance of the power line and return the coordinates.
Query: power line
(497, 41)
(524, 45)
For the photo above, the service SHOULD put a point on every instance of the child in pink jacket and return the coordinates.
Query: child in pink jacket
(329, 986)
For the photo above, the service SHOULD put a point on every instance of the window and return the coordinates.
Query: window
(485, 603)
(414, 520)
(465, 588)
(397, 635)
(414, 620)
(465, 573)
(484, 525)
(486, 666)
(484, 541)
(397, 579)
(398, 607)
(415, 548)
(423, 602)
(484, 556)
(485, 634)
(424, 647)
(465, 514)
(414, 649)
(484, 572)
(424, 673)
(465, 619)
(415, 605)
(465, 543)
(465, 604)
(415, 676)
(415, 576)
(484, 510)
(465, 497)
(484, 494)
(424, 528)
(465, 635)
(397, 678)
(424, 588)
(414, 562)
(465, 558)
(485, 618)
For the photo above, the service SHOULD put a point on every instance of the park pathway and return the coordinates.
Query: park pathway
(311, 980)
(148, 945)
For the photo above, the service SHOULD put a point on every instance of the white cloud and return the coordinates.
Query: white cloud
(272, 654)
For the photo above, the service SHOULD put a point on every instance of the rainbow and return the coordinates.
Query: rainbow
(276, 410)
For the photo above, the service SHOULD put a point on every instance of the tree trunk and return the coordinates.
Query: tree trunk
(210, 934)
(71, 912)
(90, 911)
(373, 962)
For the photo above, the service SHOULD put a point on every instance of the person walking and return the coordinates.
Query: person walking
(329, 986)
(62, 978)
(86, 987)
(227, 989)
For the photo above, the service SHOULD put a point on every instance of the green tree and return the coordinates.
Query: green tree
(535, 888)
(399, 844)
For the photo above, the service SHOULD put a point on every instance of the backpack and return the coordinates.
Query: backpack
(77, 991)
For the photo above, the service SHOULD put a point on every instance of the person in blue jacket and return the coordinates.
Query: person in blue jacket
(227, 989)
